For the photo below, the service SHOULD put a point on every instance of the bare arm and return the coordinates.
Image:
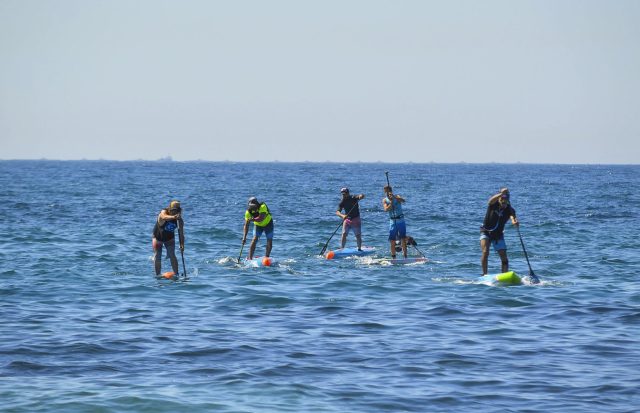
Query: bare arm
(165, 216)
(387, 204)
(496, 197)
(245, 230)
(259, 218)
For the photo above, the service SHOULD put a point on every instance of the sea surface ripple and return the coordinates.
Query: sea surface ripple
(86, 327)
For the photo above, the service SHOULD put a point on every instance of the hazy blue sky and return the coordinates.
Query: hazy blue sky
(421, 81)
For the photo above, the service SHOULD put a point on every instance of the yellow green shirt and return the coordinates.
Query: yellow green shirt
(262, 210)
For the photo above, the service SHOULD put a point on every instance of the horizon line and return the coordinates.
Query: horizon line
(170, 159)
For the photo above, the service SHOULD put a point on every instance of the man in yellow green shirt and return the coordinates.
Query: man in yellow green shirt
(259, 214)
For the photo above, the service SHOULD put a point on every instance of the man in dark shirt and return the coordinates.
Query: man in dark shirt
(167, 222)
(492, 230)
(351, 217)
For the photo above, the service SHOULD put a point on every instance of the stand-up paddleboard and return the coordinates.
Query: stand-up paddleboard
(260, 262)
(399, 261)
(507, 278)
(349, 252)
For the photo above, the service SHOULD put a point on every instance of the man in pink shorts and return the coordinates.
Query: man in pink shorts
(351, 217)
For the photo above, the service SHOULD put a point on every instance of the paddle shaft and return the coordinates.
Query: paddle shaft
(393, 208)
(240, 255)
(180, 237)
(334, 232)
(526, 256)
(417, 249)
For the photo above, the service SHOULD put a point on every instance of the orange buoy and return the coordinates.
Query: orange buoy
(168, 274)
(266, 261)
(330, 255)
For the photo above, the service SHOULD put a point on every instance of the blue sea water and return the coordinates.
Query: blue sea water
(86, 327)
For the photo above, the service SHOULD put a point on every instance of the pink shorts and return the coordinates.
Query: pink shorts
(352, 223)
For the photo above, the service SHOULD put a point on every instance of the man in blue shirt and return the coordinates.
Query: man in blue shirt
(397, 227)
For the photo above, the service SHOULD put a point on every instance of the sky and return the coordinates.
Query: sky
(342, 81)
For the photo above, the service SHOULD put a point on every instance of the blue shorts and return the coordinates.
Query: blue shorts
(267, 229)
(497, 244)
(397, 229)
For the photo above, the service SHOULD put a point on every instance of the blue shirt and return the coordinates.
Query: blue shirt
(395, 213)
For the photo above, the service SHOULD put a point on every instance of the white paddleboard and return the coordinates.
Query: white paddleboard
(259, 262)
(349, 252)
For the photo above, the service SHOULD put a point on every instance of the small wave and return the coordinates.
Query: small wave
(453, 280)
(511, 303)
(228, 261)
(369, 325)
(630, 318)
(443, 310)
(26, 366)
(456, 361)
(386, 262)
(209, 371)
(85, 348)
(200, 352)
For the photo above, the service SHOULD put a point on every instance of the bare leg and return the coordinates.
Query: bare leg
(404, 247)
(157, 256)
(269, 246)
(171, 252)
(392, 243)
(252, 248)
(343, 240)
(504, 259)
(484, 245)
(174, 263)
(359, 241)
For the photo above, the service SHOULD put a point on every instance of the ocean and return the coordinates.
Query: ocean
(85, 326)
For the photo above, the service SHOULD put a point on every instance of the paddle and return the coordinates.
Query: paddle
(414, 244)
(180, 238)
(393, 209)
(386, 173)
(334, 232)
(534, 278)
(241, 248)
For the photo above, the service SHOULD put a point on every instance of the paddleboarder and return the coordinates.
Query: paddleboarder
(351, 217)
(169, 219)
(259, 214)
(392, 203)
(498, 212)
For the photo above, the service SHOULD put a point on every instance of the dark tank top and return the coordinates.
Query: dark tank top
(165, 232)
